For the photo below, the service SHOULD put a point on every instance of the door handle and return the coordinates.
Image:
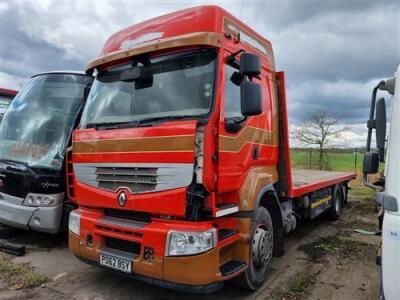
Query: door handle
(256, 152)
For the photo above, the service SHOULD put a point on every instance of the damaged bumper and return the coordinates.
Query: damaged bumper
(43, 219)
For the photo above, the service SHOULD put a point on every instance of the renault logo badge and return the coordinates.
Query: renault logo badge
(122, 199)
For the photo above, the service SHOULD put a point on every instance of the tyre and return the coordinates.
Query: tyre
(261, 248)
(345, 190)
(381, 293)
(67, 208)
(337, 204)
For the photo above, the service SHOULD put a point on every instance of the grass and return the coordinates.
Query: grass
(340, 246)
(300, 284)
(19, 276)
(298, 287)
(326, 247)
(338, 161)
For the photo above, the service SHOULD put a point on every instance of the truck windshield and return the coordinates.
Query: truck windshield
(37, 126)
(170, 86)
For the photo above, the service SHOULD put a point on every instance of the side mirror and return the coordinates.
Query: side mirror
(380, 126)
(144, 82)
(250, 64)
(132, 74)
(371, 163)
(86, 91)
(250, 98)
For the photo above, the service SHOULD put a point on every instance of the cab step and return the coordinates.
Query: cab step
(227, 236)
(231, 267)
(226, 209)
(224, 233)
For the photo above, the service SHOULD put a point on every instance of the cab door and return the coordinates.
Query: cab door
(243, 142)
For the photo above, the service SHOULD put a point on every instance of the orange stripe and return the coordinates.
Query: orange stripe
(154, 144)
(248, 135)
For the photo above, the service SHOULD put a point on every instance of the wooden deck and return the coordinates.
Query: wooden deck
(306, 181)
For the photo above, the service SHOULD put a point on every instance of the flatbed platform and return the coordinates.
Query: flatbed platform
(306, 181)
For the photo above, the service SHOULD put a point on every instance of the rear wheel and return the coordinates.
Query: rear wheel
(336, 204)
(381, 294)
(345, 190)
(261, 247)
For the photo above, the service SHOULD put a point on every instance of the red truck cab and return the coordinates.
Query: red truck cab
(181, 165)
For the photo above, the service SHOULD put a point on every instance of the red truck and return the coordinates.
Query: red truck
(6, 96)
(181, 164)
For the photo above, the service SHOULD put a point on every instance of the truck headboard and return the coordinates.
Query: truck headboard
(284, 161)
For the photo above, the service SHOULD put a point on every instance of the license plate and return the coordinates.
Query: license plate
(115, 263)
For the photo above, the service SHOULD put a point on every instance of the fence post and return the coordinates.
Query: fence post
(310, 158)
(355, 160)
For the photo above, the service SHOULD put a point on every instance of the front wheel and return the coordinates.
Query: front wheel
(261, 246)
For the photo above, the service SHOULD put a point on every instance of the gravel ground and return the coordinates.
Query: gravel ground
(323, 260)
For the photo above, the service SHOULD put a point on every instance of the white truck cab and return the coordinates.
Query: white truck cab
(387, 195)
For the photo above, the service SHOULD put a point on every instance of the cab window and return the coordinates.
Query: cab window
(232, 95)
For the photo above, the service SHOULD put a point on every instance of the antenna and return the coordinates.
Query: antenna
(241, 10)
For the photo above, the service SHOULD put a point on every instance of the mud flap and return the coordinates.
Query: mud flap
(279, 235)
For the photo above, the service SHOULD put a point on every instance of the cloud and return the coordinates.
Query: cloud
(347, 100)
(11, 81)
(23, 55)
(341, 46)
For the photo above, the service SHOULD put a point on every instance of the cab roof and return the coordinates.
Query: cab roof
(206, 18)
(201, 25)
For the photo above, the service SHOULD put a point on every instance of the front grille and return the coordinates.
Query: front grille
(136, 177)
(130, 215)
(122, 245)
(126, 171)
(137, 180)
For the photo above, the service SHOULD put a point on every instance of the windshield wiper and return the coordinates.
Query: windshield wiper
(106, 125)
(154, 120)
(137, 123)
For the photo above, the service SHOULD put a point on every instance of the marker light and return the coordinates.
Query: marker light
(74, 223)
(43, 199)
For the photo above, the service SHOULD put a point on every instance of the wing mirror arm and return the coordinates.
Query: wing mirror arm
(370, 185)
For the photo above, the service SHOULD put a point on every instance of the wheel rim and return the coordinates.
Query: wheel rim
(261, 247)
(337, 203)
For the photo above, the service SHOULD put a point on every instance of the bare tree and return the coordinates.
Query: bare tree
(319, 129)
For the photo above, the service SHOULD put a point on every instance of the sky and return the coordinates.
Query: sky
(333, 52)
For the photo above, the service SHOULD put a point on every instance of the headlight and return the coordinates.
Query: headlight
(43, 199)
(188, 243)
(74, 223)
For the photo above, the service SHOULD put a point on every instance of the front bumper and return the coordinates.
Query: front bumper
(194, 273)
(43, 219)
(197, 289)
